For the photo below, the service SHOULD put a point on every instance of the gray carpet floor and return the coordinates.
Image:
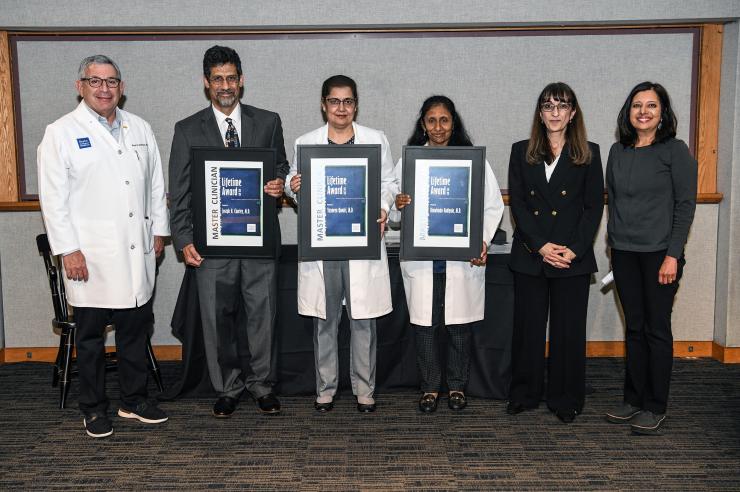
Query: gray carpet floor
(397, 448)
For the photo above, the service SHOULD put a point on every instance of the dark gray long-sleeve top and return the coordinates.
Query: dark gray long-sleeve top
(652, 197)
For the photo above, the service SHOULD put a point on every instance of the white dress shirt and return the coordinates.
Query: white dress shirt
(236, 118)
(550, 168)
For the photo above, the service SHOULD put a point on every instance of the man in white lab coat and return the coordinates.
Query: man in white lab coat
(101, 189)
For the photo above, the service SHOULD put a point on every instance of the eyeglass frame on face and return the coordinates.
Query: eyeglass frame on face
(335, 102)
(548, 107)
(228, 80)
(95, 82)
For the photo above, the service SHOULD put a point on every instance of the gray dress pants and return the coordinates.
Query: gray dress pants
(325, 339)
(222, 284)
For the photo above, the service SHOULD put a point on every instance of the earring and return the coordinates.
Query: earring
(660, 124)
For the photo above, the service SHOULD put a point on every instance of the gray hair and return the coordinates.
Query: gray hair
(96, 60)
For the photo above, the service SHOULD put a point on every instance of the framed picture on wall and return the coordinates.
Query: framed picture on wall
(444, 220)
(339, 202)
(232, 215)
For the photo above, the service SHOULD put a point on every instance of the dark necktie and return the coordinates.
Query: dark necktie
(232, 138)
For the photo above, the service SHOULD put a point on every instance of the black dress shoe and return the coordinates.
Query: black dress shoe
(566, 416)
(323, 407)
(366, 407)
(268, 404)
(428, 402)
(513, 408)
(224, 407)
(457, 400)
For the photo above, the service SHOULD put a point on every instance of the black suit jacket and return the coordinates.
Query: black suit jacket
(259, 128)
(567, 210)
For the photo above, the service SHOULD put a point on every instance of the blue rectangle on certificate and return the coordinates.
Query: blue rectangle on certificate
(345, 200)
(241, 201)
(448, 201)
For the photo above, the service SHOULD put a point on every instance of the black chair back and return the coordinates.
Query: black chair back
(56, 283)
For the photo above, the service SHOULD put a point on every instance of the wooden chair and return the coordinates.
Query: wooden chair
(64, 322)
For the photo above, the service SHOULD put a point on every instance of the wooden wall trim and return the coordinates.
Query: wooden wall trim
(727, 355)
(33, 206)
(49, 354)
(707, 135)
(680, 349)
(705, 138)
(8, 164)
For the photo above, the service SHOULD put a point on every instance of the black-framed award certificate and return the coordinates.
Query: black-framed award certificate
(339, 202)
(444, 220)
(232, 215)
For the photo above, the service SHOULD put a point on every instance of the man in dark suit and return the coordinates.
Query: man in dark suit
(223, 283)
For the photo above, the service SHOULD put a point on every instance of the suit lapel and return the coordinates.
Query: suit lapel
(246, 135)
(210, 128)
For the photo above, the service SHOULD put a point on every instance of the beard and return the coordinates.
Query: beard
(226, 98)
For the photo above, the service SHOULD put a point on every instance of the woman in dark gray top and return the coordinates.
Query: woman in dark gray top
(651, 181)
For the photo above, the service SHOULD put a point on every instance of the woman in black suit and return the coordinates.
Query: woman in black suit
(556, 188)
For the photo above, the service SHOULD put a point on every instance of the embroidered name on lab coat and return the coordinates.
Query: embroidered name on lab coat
(84, 143)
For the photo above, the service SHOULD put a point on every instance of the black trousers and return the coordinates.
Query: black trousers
(132, 328)
(647, 307)
(566, 300)
(428, 346)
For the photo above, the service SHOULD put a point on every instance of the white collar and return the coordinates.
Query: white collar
(99, 117)
(235, 115)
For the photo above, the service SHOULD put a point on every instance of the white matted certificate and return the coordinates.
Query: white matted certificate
(339, 215)
(442, 195)
(234, 206)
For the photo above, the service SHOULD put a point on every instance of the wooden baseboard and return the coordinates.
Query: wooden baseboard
(727, 355)
(49, 354)
(680, 349)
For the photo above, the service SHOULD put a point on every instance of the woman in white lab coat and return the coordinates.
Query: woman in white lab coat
(446, 293)
(363, 284)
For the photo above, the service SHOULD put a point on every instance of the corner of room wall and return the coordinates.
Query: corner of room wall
(727, 304)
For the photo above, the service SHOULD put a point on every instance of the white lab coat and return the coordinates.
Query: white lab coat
(465, 290)
(105, 198)
(370, 288)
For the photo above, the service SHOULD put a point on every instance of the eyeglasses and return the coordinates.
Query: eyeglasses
(220, 80)
(96, 82)
(549, 107)
(335, 102)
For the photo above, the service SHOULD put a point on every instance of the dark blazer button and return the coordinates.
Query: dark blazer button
(531, 192)
(554, 212)
(536, 212)
(563, 192)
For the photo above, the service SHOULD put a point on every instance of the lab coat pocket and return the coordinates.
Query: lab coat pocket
(148, 236)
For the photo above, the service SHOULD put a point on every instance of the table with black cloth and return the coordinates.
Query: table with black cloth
(396, 357)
